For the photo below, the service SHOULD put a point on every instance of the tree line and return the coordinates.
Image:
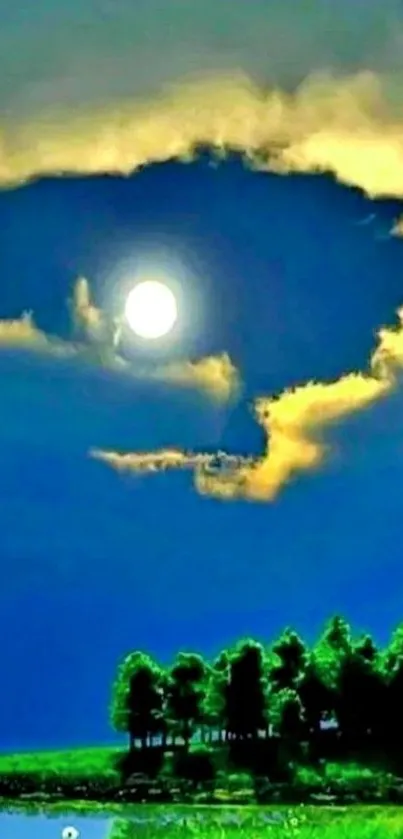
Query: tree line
(342, 693)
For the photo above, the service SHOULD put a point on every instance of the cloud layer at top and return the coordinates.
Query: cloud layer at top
(87, 87)
(350, 127)
(91, 52)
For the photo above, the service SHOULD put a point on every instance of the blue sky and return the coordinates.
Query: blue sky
(291, 274)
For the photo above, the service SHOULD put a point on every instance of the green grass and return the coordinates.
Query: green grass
(262, 823)
(348, 775)
(96, 762)
(76, 763)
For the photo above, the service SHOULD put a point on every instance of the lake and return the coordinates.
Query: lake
(173, 822)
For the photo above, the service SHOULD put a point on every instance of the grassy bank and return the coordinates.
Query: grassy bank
(250, 823)
(71, 764)
(92, 774)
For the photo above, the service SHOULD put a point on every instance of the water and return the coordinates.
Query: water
(53, 827)
(153, 822)
(146, 822)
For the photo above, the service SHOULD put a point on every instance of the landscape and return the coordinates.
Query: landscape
(260, 738)
(201, 401)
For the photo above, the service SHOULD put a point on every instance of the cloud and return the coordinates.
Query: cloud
(97, 340)
(397, 229)
(22, 332)
(294, 425)
(349, 126)
(215, 374)
(89, 53)
(98, 87)
(144, 462)
(88, 320)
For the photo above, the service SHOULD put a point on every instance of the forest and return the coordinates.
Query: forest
(265, 708)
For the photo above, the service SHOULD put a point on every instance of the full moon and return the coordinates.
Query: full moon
(151, 309)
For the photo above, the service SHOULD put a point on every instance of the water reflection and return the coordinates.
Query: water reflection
(149, 822)
(51, 827)
(172, 821)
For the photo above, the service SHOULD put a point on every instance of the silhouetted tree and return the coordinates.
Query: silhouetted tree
(317, 700)
(287, 715)
(350, 683)
(185, 692)
(196, 766)
(137, 699)
(246, 691)
(332, 646)
(393, 674)
(215, 697)
(287, 661)
(394, 650)
(360, 697)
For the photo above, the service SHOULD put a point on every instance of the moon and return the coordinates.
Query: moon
(151, 309)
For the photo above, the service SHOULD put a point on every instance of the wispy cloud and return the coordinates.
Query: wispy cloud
(97, 339)
(295, 425)
(89, 321)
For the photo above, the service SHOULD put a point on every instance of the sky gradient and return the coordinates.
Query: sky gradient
(288, 276)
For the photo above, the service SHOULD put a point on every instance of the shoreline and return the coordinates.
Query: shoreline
(57, 791)
(99, 776)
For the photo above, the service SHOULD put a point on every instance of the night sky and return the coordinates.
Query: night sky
(291, 274)
(94, 563)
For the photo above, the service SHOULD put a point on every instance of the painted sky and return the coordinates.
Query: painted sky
(288, 277)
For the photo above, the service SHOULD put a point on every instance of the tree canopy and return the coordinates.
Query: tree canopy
(342, 692)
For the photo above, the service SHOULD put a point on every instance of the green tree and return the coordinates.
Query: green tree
(287, 715)
(185, 692)
(334, 643)
(317, 700)
(366, 648)
(394, 650)
(358, 694)
(137, 699)
(287, 661)
(246, 691)
(196, 766)
(215, 697)
(392, 668)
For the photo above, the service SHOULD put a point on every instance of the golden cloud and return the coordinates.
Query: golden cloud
(349, 126)
(22, 332)
(215, 374)
(294, 424)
